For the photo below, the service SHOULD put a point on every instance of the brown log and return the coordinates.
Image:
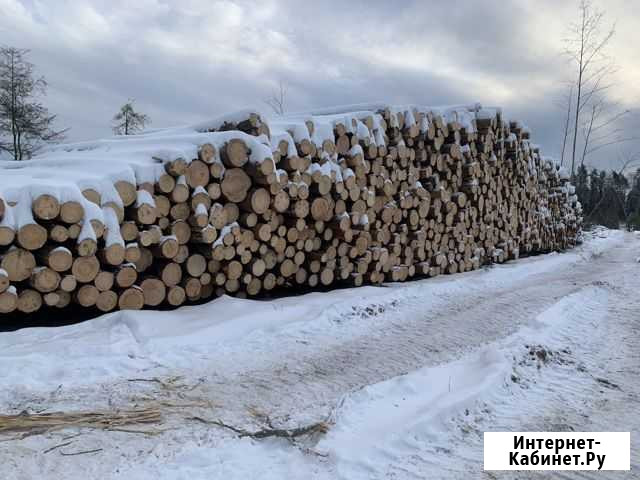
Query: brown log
(8, 301)
(104, 281)
(168, 248)
(72, 212)
(85, 269)
(176, 296)
(235, 153)
(113, 254)
(196, 265)
(192, 287)
(4, 281)
(181, 230)
(45, 207)
(127, 192)
(44, 279)
(197, 174)
(235, 185)
(51, 299)
(68, 283)
(180, 192)
(129, 231)
(207, 153)
(56, 258)
(131, 253)
(29, 301)
(126, 275)
(87, 295)
(86, 247)
(7, 234)
(18, 264)
(64, 299)
(131, 299)
(107, 301)
(171, 274)
(257, 200)
(154, 291)
(176, 167)
(31, 236)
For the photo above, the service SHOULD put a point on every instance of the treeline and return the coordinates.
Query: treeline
(609, 198)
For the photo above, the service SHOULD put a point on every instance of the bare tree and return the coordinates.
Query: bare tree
(601, 128)
(585, 46)
(277, 100)
(25, 124)
(129, 122)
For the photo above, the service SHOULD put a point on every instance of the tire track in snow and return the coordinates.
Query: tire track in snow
(388, 427)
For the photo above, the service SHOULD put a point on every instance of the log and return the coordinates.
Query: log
(45, 207)
(8, 301)
(257, 201)
(45, 279)
(196, 265)
(235, 185)
(197, 174)
(68, 283)
(107, 301)
(72, 212)
(154, 291)
(18, 264)
(176, 296)
(87, 295)
(131, 299)
(104, 281)
(235, 153)
(85, 269)
(31, 236)
(126, 275)
(51, 299)
(4, 281)
(29, 301)
(59, 259)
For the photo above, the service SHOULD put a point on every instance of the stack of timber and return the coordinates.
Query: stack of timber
(247, 203)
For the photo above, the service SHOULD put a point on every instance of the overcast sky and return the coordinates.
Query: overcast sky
(187, 60)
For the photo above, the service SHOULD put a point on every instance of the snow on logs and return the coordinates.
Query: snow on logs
(245, 203)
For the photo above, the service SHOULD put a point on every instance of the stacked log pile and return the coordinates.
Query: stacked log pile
(246, 204)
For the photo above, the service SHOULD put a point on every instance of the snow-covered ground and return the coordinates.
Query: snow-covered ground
(407, 376)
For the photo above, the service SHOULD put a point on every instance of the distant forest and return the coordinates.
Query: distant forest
(609, 198)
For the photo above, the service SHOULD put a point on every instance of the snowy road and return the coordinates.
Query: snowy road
(409, 375)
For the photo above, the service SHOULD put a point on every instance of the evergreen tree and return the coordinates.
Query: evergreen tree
(129, 122)
(633, 203)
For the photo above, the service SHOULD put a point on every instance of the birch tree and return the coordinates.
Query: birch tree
(586, 46)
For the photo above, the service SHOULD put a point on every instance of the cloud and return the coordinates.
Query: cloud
(184, 61)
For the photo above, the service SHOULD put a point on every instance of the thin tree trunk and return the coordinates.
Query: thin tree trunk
(566, 126)
(19, 145)
(587, 136)
(579, 98)
(14, 132)
(15, 139)
(577, 119)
